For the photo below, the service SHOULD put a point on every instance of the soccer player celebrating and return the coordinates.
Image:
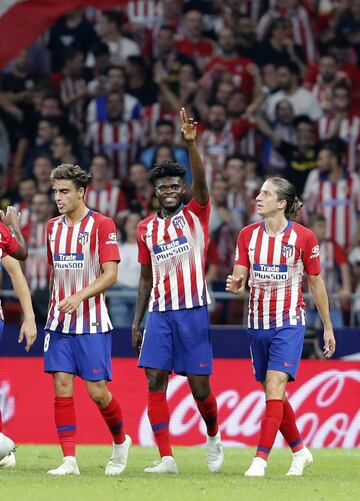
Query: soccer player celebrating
(84, 255)
(275, 253)
(16, 247)
(172, 246)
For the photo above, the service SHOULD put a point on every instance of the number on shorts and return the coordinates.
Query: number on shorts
(46, 342)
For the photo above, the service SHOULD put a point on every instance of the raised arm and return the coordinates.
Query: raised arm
(199, 186)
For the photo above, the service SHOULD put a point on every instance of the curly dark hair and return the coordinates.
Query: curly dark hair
(74, 173)
(166, 169)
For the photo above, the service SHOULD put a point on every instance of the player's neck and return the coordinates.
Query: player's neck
(274, 225)
(76, 216)
(168, 214)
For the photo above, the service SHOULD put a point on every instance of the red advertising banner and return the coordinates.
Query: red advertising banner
(325, 397)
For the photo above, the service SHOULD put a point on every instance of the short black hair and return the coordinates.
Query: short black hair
(292, 67)
(300, 119)
(166, 169)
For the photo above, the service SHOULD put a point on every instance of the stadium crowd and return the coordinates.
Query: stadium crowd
(272, 84)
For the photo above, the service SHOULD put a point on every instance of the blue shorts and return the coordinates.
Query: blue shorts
(178, 341)
(276, 349)
(84, 355)
(1, 327)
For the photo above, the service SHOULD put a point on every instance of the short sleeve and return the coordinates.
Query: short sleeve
(144, 256)
(202, 211)
(108, 244)
(8, 241)
(241, 251)
(311, 254)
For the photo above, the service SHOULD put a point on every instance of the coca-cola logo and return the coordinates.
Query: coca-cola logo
(326, 405)
(7, 402)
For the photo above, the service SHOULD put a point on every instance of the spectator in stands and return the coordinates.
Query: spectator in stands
(42, 168)
(245, 34)
(47, 130)
(117, 138)
(303, 101)
(96, 75)
(238, 201)
(24, 193)
(63, 149)
(349, 26)
(71, 31)
(115, 82)
(335, 194)
(6, 196)
(342, 122)
(140, 191)
(103, 194)
(165, 135)
(37, 269)
(110, 32)
(122, 309)
(139, 82)
(194, 44)
(300, 157)
(336, 274)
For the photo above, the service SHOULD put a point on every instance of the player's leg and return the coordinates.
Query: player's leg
(157, 358)
(7, 446)
(207, 405)
(59, 361)
(159, 417)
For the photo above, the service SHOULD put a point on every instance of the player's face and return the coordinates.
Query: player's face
(170, 192)
(67, 197)
(267, 202)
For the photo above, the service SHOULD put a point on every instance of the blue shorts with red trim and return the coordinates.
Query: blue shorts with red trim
(178, 340)
(86, 355)
(277, 349)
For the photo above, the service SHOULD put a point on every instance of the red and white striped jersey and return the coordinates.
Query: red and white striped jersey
(338, 202)
(215, 147)
(303, 30)
(8, 245)
(119, 141)
(276, 268)
(37, 269)
(176, 249)
(324, 92)
(76, 254)
(144, 12)
(109, 201)
(349, 131)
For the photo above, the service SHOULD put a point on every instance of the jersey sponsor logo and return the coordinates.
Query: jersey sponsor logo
(315, 252)
(273, 272)
(83, 237)
(169, 249)
(111, 239)
(179, 222)
(112, 236)
(287, 250)
(69, 261)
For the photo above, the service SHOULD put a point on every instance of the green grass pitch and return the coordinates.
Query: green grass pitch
(335, 475)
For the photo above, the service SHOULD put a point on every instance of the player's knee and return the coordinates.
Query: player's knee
(100, 396)
(63, 387)
(156, 382)
(273, 390)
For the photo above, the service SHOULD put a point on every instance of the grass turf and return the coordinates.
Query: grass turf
(335, 475)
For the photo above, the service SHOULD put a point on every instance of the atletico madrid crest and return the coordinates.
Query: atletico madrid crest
(179, 222)
(287, 250)
(83, 237)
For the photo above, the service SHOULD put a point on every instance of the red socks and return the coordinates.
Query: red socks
(270, 425)
(113, 418)
(65, 424)
(289, 429)
(208, 411)
(1, 423)
(159, 418)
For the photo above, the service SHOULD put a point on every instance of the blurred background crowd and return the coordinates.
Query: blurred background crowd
(273, 85)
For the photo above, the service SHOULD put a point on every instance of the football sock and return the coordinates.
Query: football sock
(1, 423)
(289, 429)
(270, 425)
(208, 411)
(65, 424)
(113, 418)
(159, 418)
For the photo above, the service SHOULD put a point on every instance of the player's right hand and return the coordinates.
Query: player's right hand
(12, 216)
(29, 332)
(136, 339)
(235, 285)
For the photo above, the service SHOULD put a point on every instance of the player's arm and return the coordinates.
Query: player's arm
(107, 278)
(11, 219)
(199, 186)
(28, 328)
(236, 282)
(319, 294)
(144, 290)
